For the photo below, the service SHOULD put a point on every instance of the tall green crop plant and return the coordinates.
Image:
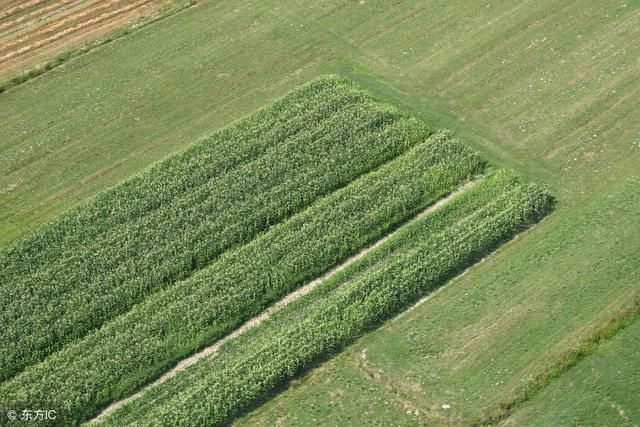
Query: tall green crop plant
(173, 323)
(100, 259)
(419, 258)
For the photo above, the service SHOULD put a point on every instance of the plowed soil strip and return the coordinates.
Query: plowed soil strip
(68, 25)
(35, 29)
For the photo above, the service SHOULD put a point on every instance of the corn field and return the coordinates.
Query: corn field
(173, 323)
(100, 259)
(116, 291)
(421, 258)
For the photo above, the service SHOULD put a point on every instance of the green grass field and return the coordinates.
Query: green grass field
(548, 88)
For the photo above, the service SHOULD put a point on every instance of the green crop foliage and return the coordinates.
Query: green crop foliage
(422, 256)
(98, 260)
(104, 365)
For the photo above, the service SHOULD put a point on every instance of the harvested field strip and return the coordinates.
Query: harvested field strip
(172, 324)
(60, 19)
(56, 24)
(87, 13)
(98, 260)
(13, 24)
(63, 27)
(20, 7)
(40, 31)
(246, 369)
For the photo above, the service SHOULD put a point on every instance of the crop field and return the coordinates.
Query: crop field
(421, 256)
(228, 227)
(174, 219)
(33, 31)
(251, 212)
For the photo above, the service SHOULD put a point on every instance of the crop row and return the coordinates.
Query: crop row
(423, 256)
(100, 259)
(139, 345)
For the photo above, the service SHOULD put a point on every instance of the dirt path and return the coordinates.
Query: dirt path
(213, 348)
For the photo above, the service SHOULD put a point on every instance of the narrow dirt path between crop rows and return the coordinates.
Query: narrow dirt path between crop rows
(213, 348)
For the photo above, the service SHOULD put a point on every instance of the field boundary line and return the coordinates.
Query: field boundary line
(563, 363)
(213, 348)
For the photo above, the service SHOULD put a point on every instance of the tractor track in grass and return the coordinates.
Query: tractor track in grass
(292, 296)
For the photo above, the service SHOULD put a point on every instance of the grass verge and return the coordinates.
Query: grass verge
(562, 364)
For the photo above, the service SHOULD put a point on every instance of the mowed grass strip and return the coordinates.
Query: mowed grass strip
(138, 346)
(215, 389)
(98, 260)
(600, 390)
